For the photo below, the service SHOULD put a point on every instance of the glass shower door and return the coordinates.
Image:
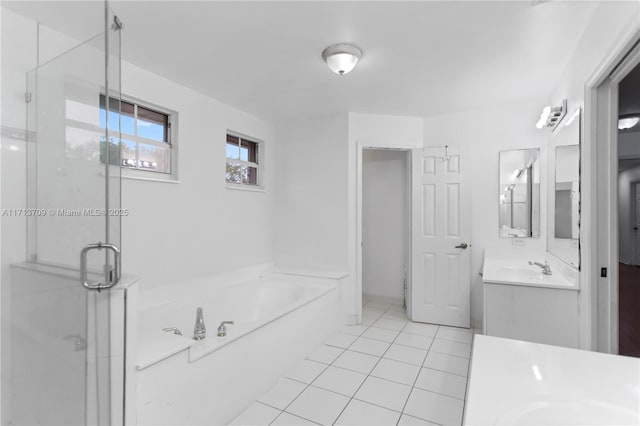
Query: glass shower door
(67, 317)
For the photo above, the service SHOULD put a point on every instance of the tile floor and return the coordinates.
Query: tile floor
(387, 371)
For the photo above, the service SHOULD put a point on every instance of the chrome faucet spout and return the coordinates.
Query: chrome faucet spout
(546, 269)
(199, 331)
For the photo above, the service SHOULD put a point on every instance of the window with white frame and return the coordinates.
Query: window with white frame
(146, 143)
(243, 160)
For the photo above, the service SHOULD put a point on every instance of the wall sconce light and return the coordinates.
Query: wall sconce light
(342, 57)
(626, 122)
(552, 116)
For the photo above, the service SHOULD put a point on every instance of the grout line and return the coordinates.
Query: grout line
(343, 350)
(369, 375)
(294, 415)
(466, 385)
(418, 375)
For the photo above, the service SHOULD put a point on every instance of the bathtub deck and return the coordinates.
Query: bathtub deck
(387, 371)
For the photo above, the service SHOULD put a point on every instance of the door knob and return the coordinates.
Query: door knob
(463, 246)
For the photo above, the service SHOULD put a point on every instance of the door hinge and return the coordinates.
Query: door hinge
(603, 272)
(27, 97)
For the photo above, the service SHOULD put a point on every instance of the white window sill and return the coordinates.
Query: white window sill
(168, 179)
(246, 188)
(151, 179)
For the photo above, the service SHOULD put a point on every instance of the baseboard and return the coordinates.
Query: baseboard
(375, 298)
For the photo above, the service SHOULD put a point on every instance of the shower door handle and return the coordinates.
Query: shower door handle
(84, 274)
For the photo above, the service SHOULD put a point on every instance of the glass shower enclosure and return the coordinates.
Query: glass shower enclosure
(63, 312)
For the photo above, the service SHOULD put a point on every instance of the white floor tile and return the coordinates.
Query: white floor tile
(399, 315)
(340, 340)
(380, 334)
(256, 414)
(406, 420)
(434, 407)
(396, 371)
(283, 393)
(441, 382)
(354, 330)
(325, 354)
(421, 329)
(447, 363)
(368, 319)
(307, 371)
(406, 354)
(287, 419)
(356, 361)
(390, 324)
(414, 340)
(373, 312)
(360, 413)
(369, 346)
(451, 347)
(383, 393)
(340, 380)
(462, 335)
(318, 405)
(377, 305)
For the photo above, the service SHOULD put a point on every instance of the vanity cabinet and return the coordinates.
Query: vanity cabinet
(523, 301)
(535, 314)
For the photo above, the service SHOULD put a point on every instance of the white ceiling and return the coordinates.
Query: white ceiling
(420, 58)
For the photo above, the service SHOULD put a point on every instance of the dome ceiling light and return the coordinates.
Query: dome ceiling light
(342, 57)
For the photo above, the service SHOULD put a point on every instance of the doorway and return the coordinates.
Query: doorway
(386, 225)
(628, 148)
(616, 132)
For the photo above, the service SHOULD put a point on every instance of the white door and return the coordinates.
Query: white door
(441, 227)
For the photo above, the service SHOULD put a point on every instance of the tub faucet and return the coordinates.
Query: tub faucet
(222, 330)
(546, 269)
(199, 331)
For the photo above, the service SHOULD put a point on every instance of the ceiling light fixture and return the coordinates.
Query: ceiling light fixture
(342, 57)
(552, 116)
(628, 122)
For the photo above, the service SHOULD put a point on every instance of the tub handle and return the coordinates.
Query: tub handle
(172, 329)
(222, 329)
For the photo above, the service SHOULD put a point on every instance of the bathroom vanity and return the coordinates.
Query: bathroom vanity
(521, 302)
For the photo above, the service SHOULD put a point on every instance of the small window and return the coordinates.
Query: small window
(243, 161)
(146, 136)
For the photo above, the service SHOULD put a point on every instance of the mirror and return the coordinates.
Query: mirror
(567, 192)
(563, 198)
(520, 193)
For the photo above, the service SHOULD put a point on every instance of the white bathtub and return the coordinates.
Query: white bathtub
(277, 322)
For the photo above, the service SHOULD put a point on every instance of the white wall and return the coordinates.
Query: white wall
(625, 214)
(385, 222)
(197, 227)
(481, 135)
(311, 195)
(611, 22)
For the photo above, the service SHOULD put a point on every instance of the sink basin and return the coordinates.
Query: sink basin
(568, 412)
(518, 271)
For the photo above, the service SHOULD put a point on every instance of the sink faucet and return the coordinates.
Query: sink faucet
(546, 269)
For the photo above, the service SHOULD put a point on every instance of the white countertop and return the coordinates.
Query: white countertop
(512, 267)
(521, 383)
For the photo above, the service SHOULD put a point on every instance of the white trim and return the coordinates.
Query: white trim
(245, 187)
(590, 233)
(360, 147)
